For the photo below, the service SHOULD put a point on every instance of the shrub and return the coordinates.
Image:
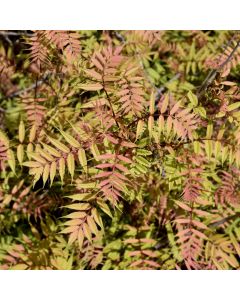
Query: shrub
(120, 150)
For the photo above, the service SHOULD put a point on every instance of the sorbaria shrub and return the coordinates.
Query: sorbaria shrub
(119, 150)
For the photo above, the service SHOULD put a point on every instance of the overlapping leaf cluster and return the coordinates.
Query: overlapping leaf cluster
(119, 150)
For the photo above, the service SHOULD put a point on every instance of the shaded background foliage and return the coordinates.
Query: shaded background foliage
(119, 150)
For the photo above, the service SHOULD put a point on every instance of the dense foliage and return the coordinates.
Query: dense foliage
(119, 150)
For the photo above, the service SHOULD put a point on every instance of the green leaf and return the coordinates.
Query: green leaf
(193, 98)
(233, 106)
(81, 197)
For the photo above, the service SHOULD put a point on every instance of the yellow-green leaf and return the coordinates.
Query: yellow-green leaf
(95, 151)
(193, 98)
(38, 158)
(208, 147)
(51, 150)
(82, 159)
(71, 140)
(71, 164)
(61, 165)
(46, 173)
(32, 133)
(79, 206)
(32, 164)
(11, 160)
(152, 103)
(160, 123)
(87, 232)
(97, 217)
(92, 225)
(165, 104)
(53, 169)
(80, 197)
(20, 153)
(140, 126)
(209, 131)
(21, 132)
(150, 125)
(104, 207)
(73, 237)
(233, 106)
(91, 86)
(59, 145)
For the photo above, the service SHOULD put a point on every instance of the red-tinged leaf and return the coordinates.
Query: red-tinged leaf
(121, 168)
(104, 182)
(121, 176)
(9, 258)
(175, 108)
(103, 174)
(183, 205)
(183, 221)
(134, 253)
(123, 92)
(136, 263)
(106, 165)
(97, 64)
(80, 238)
(183, 112)
(147, 241)
(164, 105)
(107, 156)
(131, 241)
(94, 74)
(199, 224)
(118, 50)
(125, 159)
(184, 232)
(202, 201)
(109, 194)
(200, 234)
(201, 212)
(169, 124)
(87, 232)
(179, 129)
(149, 253)
(112, 139)
(138, 98)
(13, 253)
(128, 144)
(73, 237)
(101, 59)
(124, 99)
(151, 263)
(70, 229)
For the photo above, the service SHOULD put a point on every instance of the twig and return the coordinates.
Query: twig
(212, 74)
(14, 33)
(31, 87)
(222, 221)
(163, 87)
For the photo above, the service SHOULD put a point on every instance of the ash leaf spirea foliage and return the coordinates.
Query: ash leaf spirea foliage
(120, 150)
